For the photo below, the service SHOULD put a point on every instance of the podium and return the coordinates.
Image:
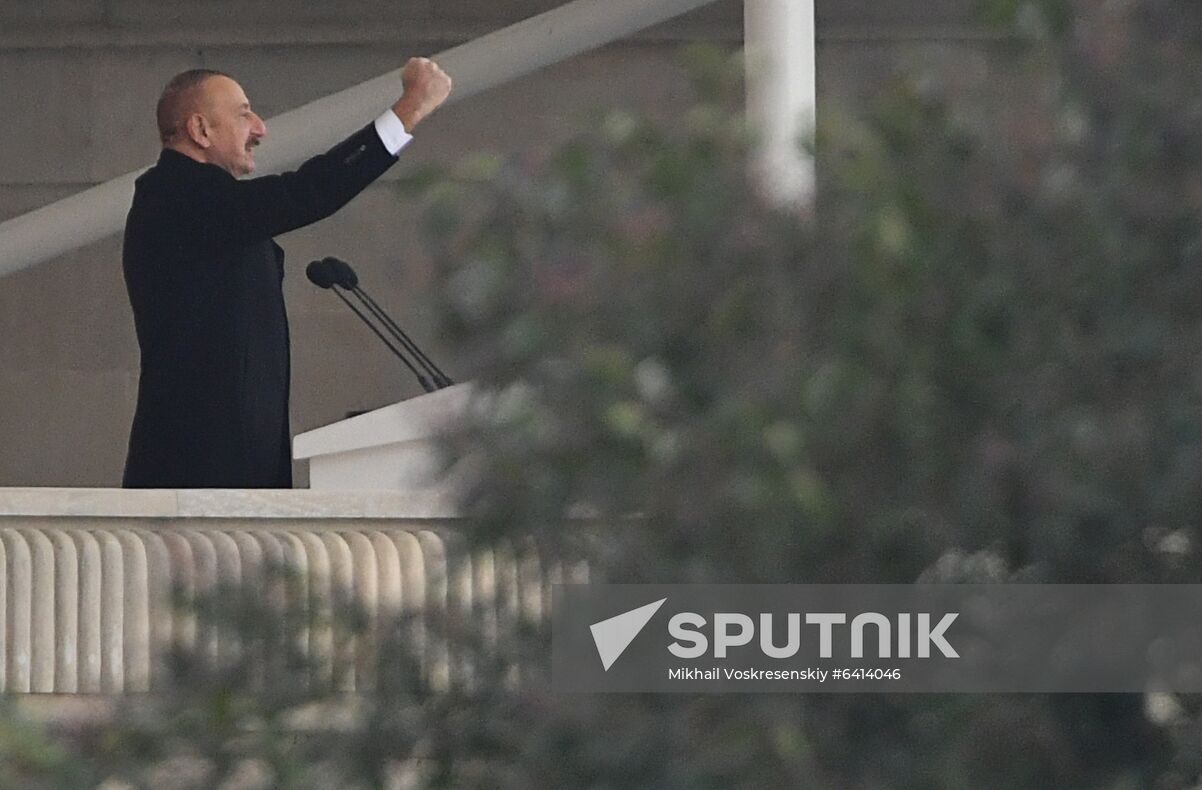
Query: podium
(394, 448)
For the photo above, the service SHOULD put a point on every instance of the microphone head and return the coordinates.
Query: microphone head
(342, 273)
(321, 274)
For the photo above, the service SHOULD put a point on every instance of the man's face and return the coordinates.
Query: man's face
(233, 128)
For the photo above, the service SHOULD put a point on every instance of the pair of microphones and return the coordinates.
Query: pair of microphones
(338, 276)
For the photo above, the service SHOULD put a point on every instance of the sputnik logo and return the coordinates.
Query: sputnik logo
(614, 635)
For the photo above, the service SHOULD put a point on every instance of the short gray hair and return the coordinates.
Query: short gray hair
(178, 98)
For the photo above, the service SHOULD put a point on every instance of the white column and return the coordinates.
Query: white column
(782, 95)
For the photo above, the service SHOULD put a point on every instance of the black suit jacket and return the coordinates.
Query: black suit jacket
(204, 279)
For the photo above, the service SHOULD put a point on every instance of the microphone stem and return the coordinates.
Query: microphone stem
(421, 379)
(439, 377)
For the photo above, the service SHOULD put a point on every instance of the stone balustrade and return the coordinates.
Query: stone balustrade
(88, 577)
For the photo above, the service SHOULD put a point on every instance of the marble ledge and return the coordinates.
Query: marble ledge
(223, 504)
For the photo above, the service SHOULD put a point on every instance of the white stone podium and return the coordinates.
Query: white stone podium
(395, 448)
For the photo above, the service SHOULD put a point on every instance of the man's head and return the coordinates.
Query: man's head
(205, 114)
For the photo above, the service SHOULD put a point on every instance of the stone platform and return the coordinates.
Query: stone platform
(87, 576)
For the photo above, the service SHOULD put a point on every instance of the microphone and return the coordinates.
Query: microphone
(323, 274)
(344, 276)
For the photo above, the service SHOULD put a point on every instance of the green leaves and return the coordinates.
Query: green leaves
(977, 359)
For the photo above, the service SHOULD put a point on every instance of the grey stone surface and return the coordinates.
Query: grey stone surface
(80, 78)
(64, 427)
(89, 502)
(123, 88)
(184, 13)
(71, 313)
(17, 14)
(48, 135)
(277, 21)
(115, 508)
(18, 198)
(720, 14)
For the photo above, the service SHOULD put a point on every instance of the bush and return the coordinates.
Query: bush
(975, 359)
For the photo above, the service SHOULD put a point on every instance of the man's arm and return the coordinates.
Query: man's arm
(230, 211)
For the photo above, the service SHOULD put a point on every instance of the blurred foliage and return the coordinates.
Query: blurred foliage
(976, 358)
(980, 338)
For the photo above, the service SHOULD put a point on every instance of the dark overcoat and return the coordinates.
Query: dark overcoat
(205, 281)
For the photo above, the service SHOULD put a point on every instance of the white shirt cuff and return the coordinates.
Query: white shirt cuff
(392, 132)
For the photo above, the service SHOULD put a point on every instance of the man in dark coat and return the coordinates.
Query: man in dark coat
(204, 278)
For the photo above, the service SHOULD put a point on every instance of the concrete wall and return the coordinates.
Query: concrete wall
(78, 82)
